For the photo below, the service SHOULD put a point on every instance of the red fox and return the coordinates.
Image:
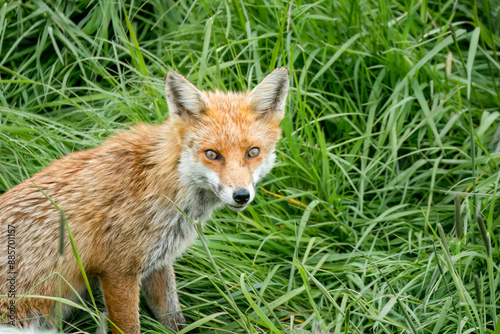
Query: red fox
(118, 200)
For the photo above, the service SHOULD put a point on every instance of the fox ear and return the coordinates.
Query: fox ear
(269, 96)
(184, 100)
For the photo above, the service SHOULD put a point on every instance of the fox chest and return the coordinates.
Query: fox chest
(175, 233)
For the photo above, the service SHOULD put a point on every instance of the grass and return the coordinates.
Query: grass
(381, 214)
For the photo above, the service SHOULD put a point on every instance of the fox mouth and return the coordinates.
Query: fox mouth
(237, 207)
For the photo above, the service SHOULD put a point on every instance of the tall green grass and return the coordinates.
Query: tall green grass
(381, 215)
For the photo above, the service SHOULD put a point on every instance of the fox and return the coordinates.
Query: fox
(130, 204)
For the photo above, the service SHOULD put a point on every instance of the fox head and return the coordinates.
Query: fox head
(228, 140)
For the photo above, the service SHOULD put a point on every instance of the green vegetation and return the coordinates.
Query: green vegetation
(392, 116)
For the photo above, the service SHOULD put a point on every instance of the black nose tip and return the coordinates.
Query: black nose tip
(241, 196)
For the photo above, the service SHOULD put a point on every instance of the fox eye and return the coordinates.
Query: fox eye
(212, 155)
(253, 152)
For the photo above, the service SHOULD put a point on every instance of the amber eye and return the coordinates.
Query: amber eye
(253, 152)
(212, 155)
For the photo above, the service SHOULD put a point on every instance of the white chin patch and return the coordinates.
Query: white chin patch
(237, 208)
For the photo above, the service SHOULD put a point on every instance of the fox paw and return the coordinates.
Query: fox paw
(175, 322)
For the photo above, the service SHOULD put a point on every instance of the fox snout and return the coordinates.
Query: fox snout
(236, 198)
(241, 196)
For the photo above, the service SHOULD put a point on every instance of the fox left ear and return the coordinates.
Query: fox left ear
(269, 96)
(184, 100)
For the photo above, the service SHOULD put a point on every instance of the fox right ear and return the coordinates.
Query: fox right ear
(184, 100)
(268, 98)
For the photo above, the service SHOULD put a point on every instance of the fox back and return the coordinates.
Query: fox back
(125, 203)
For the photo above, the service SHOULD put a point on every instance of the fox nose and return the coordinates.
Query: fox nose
(241, 196)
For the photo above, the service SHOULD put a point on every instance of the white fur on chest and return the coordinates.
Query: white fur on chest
(176, 232)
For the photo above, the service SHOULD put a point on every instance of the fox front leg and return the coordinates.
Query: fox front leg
(160, 291)
(121, 296)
